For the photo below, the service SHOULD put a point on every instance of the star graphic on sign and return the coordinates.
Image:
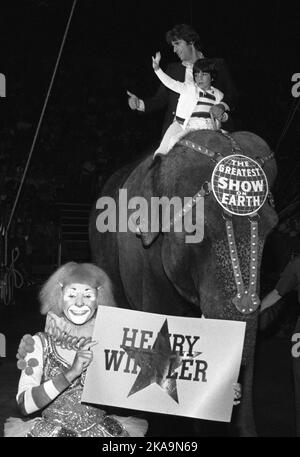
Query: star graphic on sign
(158, 364)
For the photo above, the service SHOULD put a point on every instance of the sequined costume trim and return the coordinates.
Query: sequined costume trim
(66, 415)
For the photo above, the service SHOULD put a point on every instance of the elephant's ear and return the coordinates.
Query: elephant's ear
(150, 223)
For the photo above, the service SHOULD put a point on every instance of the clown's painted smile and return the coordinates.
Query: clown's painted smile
(79, 303)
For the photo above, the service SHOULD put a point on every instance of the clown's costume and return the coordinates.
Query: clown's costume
(55, 361)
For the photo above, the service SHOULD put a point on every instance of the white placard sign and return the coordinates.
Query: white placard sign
(166, 364)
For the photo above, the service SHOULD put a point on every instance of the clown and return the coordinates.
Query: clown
(55, 361)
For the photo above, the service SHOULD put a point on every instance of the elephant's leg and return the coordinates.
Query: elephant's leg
(144, 229)
(243, 415)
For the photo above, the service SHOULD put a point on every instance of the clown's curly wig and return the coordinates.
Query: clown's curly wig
(51, 296)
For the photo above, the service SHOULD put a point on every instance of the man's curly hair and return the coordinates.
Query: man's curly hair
(184, 32)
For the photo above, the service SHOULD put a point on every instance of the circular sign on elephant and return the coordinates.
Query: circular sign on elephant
(239, 185)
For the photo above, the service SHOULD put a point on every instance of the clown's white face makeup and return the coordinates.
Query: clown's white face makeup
(79, 303)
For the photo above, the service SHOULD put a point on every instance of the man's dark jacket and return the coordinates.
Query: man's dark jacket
(167, 99)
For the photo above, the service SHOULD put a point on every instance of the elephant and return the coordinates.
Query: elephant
(159, 272)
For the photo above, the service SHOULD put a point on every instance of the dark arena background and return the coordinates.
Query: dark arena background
(87, 131)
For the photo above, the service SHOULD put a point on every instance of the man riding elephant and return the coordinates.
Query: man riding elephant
(186, 45)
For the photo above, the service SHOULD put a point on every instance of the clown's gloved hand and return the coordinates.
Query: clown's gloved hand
(26, 346)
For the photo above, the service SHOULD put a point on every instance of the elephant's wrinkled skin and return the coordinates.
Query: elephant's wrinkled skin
(172, 277)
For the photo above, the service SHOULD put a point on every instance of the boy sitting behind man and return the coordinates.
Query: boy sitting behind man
(199, 106)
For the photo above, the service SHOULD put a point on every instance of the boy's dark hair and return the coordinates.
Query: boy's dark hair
(205, 65)
(184, 32)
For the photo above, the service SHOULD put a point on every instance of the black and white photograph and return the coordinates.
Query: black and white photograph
(149, 221)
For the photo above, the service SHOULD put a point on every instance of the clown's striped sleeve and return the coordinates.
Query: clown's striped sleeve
(32, 395)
